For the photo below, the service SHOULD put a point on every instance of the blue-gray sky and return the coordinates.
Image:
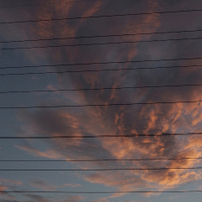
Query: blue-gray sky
(117, 120)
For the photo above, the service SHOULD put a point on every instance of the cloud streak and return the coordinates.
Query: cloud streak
(44, 185)
(120, 120)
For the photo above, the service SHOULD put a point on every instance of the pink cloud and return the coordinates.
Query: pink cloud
(45, 185)
(10, 181)
(157, 119)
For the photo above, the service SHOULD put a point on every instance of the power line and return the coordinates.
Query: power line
(100, 105)
(102, 63)
(105, 88)
(100, 16)
(100, 70)
(98, 160)
(106, 192)
(103, 36)
(50, 3)
(92, 169)
(100, 44)
(100, 136)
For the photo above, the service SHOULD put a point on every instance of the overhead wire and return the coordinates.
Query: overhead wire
(92, 169)
(99, 105)
(102, 36)
(99, 44)
(99, 89)
(101, 136)
(100, 70)
(104, 192)
(100, 16)
(50, 3)
(102, 63)
(98, 160)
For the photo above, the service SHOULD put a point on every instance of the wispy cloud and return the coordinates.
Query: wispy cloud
(119, 120)
(11, 181)
(45, 185)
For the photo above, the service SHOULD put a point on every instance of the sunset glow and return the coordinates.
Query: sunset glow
(108, 94)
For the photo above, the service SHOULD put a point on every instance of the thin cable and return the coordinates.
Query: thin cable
(98, 160)
(100, 136)
(103, 36)
(92, 169)
(105, 192)
(102, 63)
(100, 44)
(99, 70)
(100, 105)
(50, 3)
(100, 16)
(99, 89)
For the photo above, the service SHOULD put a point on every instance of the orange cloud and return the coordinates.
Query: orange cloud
(3, 188)
(123, 120)
(45, 185)
(10, 181)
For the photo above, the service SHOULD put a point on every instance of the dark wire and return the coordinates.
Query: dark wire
(106, 192)
(99, 89)
(103, 63)
(99, 105)
(99, 70)
(100, 44)
(103, 36)
(100, 16)
(92, 169)
(101, 136)
(51, 3)
(97, 160)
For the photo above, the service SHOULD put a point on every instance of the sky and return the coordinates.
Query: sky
(86, 55)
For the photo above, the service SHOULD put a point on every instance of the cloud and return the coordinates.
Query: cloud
(10, 181)
(45, 185)
(5, 185)
(124, 181)
(36, 198)
(3, 188)
(47, 154)
(119, 120)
